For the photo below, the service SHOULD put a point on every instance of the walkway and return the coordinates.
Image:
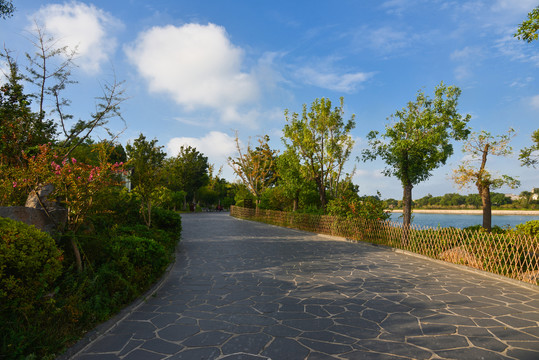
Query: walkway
(243, 290)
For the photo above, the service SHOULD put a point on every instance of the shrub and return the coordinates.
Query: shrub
(529, 228)
(167, 220)
(30, 263)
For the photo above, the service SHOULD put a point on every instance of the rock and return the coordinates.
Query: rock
(459, 255)
(29, 216)
(40, 198)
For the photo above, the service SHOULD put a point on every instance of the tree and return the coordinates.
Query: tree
(289, 176)
(20, 127)
(255, 167)
(187, 171)
(49, 70)
(420, 140)
(321, 139)
(530, 156)
(145, 159)
(6, 9)
(527, 30)
(478, 147)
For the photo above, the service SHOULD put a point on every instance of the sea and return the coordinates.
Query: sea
(463, 220)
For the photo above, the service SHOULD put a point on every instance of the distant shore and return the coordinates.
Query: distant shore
(471, 212)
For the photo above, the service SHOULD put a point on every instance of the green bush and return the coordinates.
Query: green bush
(167, 220)
(30, 263)
(529, 228)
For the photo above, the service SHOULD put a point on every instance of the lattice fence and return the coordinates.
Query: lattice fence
(510, 254)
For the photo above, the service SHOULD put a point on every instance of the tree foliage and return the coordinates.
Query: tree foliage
(478, 148)
(145, 159)
(418, 140)
(530, 156)
(187, 171)
(256, 166)
(321, 139)
(527, 30)
(6, 9)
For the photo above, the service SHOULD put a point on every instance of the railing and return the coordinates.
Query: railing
(512, 255)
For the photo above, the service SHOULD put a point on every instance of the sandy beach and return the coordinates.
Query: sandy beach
(471, 212)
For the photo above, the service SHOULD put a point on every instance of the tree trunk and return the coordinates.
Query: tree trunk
(487, 207)
(406, 212)
(76, 252)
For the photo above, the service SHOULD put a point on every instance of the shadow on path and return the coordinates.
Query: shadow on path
(244, 290)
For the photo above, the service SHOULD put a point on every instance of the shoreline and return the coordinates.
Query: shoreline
(470, 212)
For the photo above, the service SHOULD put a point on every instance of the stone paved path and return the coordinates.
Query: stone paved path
(243, 290)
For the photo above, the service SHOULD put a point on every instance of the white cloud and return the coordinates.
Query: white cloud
(195, 64)
(534, 102)
(347, 83)
(468, 57)
(216, 145)
(82, 27)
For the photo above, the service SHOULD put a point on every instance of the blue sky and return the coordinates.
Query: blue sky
(196, 72)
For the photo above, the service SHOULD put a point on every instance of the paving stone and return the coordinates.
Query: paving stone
(470, 353)
(309, 324)
(395, 348)
(250, 344)
(208, 338)
(178, 332)
(523, 354)
(326, 347)
(439, 342)
(286, 349)
(201, 353)
(488, 343)
(161, 346)
(110, 343)
(140, 354)
(328, 336)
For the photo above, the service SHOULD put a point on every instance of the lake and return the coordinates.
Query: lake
(463, 220)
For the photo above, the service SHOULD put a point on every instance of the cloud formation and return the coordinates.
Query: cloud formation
(216, 145)
(196, 65)
(346, 83)
(82, 27)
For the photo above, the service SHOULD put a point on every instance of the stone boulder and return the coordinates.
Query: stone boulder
(29, 216)
(41, 200)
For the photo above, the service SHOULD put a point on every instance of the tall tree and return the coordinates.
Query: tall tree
(419, 141)
(321, 139)
(290, 177)
(255, 167)
(145, 159)
(20, 127)
(187, 171)
(479, 147)
(530, 156)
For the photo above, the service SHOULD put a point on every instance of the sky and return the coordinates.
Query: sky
(199, 72)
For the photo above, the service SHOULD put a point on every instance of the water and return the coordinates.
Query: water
(463, 220)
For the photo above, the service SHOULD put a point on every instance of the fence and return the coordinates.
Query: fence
(512, 255)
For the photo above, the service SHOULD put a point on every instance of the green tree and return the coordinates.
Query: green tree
(6, 9)
(420, 140)
(145, 160)
(289, 177)
(321, 139)
(479, 147)
(530, 156)
(20, 127)
(255, 167)
(187, 171)
(527, 30)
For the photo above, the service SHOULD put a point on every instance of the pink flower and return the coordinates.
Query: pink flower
(73, 160)
(14, 184)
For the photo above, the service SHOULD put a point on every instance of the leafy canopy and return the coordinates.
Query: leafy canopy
(419, 141)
